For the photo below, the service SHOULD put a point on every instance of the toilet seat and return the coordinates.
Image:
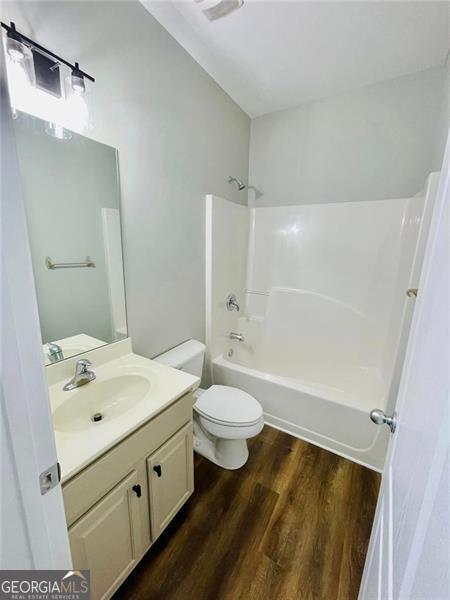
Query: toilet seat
(228, 406)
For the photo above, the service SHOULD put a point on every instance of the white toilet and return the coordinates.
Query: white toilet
(224, 417)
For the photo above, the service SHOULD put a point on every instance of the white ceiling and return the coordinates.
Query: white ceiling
(271, 55)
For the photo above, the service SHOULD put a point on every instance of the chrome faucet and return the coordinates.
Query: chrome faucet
(232, 303)
(236, 336)
(82, 375)
(54, 352)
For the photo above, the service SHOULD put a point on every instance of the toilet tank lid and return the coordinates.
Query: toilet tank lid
(179, 355)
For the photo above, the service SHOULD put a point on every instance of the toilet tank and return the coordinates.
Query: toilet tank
(186, 357)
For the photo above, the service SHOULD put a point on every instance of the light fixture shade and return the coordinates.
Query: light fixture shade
(16, 50)
(19, 60)
(77, 80)
(76, 106)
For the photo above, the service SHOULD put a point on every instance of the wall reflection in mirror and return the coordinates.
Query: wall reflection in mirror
(72, 201)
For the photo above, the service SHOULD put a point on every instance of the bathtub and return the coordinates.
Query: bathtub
(330, 417)
(322, 313)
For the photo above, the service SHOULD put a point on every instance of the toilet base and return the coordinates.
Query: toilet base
(228, 454)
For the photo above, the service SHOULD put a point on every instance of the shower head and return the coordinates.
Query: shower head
(223, 8)
(241, 186)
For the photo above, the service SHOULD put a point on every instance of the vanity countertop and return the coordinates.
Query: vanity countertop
(128, 391)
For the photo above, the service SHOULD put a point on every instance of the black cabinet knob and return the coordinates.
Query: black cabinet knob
(158, 470)
(137, 490)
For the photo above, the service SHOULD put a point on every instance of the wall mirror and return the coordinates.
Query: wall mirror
(72, 201)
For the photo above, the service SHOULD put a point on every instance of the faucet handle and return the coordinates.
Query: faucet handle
(232, 303)
(82, 365)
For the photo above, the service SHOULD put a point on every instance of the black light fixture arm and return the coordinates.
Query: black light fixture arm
(12, 29)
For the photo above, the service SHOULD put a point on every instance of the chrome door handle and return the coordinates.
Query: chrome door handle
(379, 417)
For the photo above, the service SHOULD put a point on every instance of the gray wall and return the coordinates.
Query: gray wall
(380, 141)
(178, 135)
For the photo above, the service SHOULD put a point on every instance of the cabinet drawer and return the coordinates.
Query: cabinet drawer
(171, 479)
(85, 489)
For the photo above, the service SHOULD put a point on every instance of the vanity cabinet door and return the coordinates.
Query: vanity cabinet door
(106, 539)
(171, 479)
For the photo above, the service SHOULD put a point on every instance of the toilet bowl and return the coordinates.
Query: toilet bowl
(224, 417)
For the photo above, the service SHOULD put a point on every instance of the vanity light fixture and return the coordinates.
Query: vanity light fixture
(18, 45)
(36, 87)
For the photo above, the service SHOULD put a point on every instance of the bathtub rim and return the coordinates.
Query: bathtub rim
(297, 385)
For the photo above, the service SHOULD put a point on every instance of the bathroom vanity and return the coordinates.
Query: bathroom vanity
(127, 474)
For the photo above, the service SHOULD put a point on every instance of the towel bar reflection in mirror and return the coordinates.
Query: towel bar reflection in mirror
(75, 265)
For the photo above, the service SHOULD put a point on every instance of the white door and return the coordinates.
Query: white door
(408, 552)
(33, 527)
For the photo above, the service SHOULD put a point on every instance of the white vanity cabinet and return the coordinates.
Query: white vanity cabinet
(170, 478)
(117, 506)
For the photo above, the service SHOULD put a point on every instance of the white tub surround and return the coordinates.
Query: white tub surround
(226, 232)
(112, 241)
(326, 316)
(139, 389)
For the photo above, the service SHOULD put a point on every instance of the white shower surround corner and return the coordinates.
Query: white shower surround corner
(324, 312)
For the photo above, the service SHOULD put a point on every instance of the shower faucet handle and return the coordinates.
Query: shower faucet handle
(232, 303)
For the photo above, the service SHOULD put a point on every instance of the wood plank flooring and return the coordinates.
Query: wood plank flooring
(294, 523)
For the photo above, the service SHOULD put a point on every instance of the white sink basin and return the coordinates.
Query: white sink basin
(99, 402)
(128, 391)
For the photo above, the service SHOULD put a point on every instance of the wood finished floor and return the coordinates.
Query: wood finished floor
(294, 523)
